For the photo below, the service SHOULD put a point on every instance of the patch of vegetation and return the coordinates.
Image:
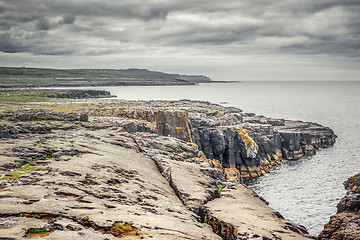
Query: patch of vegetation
(37, 232)
(219, 189)
(45, 95)
(21, 96)
(357, 210)
(34, 160)
(123, 229)
(45, 77)
(56, 137)
(14, 175)
(67, 107)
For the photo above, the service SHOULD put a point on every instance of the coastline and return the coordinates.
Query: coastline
(110, 84)
(21, 77)
(345, 224)
(161, 131)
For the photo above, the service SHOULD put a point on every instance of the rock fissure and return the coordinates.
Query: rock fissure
(155, 167)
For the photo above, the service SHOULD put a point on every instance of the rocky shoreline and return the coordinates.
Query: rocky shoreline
(345, 224)
(103, 169)
(20, 95)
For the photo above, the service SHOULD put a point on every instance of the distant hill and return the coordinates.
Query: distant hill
(195, 78)
(46, 77)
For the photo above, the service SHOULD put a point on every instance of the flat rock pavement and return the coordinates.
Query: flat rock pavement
(78, 196)
(117, 177)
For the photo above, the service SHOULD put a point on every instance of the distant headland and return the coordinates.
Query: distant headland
(21, 77)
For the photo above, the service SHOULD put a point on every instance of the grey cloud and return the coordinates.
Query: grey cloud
(9, 45)
(118, 9)
(5, 25)
(301, 26)
(3, 8)
(68, 19)
(43, 24)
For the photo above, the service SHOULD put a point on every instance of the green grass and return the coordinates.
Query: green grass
(21, 96)
(34, 160)
(14, 175)
(37, 230)
(219, 189)
(30, 77)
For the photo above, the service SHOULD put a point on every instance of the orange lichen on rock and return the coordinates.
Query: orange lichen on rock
(122, 229)
(246, 138)
(232, 174)
(215, 163)
(346, 223)
(201, 154)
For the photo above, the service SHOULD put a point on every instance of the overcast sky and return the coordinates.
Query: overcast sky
(225, 40)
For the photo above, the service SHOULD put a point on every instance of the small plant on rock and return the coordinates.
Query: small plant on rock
(14, 175)
(122, 229)
(219, 189)
(357, 210)
(37, 232)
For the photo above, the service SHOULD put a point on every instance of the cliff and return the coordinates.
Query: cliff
(345, 224)
(247, 142)
(139, 170)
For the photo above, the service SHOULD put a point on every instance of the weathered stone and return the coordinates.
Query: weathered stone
(8, 131)
(250, 219)
(251, 143)
(173, 123)
(75, 93)
(153, 165)
(42, 115)
(346, 223)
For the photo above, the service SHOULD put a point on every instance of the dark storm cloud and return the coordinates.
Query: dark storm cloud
(9, 45)
(103, 27)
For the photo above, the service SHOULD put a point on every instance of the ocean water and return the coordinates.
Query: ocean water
(305, 191)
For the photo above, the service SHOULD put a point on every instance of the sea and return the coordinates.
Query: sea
(307, 190)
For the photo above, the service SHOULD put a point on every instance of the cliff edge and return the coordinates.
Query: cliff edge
(108, 169)
(345, 224)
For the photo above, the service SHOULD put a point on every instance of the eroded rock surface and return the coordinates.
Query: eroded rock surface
(248, 142)
(101, 178)
(250, 219)
(346, 223)
(142, 170)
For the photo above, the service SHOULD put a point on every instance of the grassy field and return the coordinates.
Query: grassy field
(43, 77)
(22, 96)
(44, 95)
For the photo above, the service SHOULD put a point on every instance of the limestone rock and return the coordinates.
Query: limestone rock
(248, 142)
(42, 115)
(85, 181)
(161, 170)
(346, 223)
(75, 93)
(251, 219)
